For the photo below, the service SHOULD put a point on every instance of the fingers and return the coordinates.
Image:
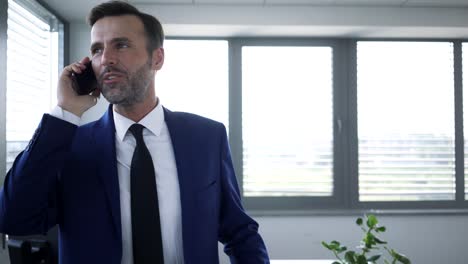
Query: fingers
(73, 68)
(85, 60)
(67, 96)
(77, 67)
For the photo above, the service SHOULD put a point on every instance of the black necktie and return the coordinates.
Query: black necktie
(146, 228)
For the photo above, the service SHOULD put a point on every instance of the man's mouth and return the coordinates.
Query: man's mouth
(111, 77)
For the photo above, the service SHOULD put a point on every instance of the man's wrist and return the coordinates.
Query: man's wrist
(74, 110)
(64, 114)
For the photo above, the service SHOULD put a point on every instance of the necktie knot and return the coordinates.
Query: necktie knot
(137, 131)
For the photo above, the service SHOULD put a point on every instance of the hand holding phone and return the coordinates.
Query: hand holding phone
(76, 88)
(85, 81)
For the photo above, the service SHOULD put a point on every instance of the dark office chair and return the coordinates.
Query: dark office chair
(29, 251)
(34, 249)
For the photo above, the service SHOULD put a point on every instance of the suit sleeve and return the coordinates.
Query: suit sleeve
(238, 232)
(28, 198)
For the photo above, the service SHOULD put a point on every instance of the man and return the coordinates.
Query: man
(163, 191)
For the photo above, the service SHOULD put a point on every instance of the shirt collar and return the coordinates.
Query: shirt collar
(153, 121)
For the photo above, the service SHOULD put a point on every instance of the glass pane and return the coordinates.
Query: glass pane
(287, 115)
(29, 89)
(194, 78)
(406, 121)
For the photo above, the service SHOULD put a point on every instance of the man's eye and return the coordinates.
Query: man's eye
(122, 45)
(96, 51)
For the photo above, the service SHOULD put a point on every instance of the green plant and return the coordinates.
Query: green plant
(371, 247)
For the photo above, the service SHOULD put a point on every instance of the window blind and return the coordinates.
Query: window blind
(32, 63)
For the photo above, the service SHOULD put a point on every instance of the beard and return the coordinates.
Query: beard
(131, 91)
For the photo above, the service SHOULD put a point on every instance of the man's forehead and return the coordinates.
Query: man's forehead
(116, 26)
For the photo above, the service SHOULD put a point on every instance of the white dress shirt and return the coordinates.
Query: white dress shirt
(157, 139)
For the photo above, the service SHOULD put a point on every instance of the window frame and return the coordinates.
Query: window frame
(346, 171)
(459, 202)
(339, 138)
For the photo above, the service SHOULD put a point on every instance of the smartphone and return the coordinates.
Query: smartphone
(85, 81)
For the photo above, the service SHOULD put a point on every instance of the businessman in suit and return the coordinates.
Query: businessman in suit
(140, 185)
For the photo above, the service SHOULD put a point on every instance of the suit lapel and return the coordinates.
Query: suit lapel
(104, 136)
(180, 143)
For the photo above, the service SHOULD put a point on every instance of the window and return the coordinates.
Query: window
(194, 69)
(287, 121)
(406, 120)
(345, 124)
(33, 46)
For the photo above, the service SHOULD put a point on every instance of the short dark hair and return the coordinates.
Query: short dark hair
(153, 28)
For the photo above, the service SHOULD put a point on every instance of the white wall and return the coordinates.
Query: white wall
(427, 239)
(436, 239)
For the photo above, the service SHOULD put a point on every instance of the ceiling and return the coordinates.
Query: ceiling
(361, 18)
(73, 10)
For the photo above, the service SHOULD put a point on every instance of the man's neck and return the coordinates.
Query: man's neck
(138, 111)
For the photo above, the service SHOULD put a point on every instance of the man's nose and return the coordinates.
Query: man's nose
(109, 57)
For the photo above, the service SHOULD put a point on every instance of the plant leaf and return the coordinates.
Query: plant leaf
(359, 221)
(378, 241)
(361, 260)
(369, 240)
(401, 258)
(341, 249)
(381, 229)
(374, 258)
(371, 221)
(350, 256)
(326, 245)
(334, 245)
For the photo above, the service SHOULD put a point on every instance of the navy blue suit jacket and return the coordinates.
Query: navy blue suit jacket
(68, 176)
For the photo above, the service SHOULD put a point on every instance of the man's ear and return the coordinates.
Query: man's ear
(158, 59)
